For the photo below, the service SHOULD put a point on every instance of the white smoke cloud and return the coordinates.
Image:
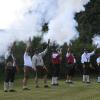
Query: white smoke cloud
(10, 10)
(96, 40)
(62, 27)
(11, 15)
(22, 19)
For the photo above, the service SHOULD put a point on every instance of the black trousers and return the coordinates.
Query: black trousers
(10, 74)
(86, 69)
(98, 70)
(70, 69)
(41, 71)
(55, 70)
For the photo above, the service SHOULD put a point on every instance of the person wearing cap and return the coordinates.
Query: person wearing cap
(98, 68)
(85, 60)
(39, 67)
(27, 67)
(56, 61)
(10, 70)
(70, 62)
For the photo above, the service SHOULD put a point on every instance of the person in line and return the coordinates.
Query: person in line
(70, 63)
(98, 67)
(39, 67)
(27, 67)
(56, 61)
(85, 60)
(10, 70)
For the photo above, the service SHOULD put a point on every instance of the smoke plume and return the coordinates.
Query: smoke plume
(96, 40)
(21, 19)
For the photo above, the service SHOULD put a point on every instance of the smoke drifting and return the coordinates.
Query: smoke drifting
(26, 18)
(62, 27)
(96, 40)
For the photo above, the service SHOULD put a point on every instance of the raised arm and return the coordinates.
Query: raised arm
(92, 53)
(44, 52)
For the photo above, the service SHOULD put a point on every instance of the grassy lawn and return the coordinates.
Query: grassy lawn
(79, 91)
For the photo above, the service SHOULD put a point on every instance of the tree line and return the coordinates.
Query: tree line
(88, 21)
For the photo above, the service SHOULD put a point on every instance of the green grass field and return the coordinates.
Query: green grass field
(79, 91)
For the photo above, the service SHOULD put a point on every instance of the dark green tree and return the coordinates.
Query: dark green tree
(89, 21)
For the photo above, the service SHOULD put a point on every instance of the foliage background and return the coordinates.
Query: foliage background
(89, 25)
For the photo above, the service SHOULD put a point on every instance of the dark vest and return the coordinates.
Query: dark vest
(9, 62)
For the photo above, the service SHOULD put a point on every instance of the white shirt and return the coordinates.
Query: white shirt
(54, 55)
(98, 60)
(37, 59)
(86, 57)
(27, 60)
